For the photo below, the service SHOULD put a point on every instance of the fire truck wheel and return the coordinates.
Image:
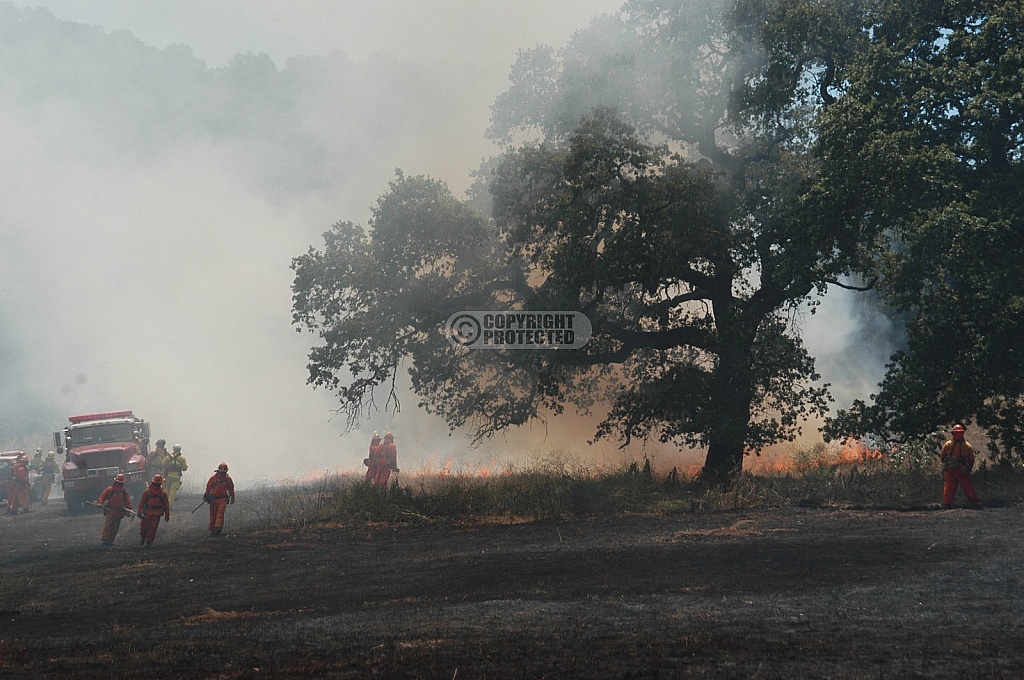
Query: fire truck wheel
(74, 501)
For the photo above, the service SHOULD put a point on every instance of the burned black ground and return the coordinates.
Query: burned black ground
(782, 592)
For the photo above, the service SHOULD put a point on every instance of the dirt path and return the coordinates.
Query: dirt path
(774, 593)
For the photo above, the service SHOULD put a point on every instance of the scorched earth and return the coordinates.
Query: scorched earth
(784, 592)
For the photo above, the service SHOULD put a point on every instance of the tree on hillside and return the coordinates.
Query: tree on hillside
(928, 143)
(677, 213)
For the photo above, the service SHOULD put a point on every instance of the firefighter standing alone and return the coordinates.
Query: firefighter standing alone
(957, 457)
(220, 490)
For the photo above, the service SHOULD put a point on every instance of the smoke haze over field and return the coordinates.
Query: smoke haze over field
(164, 162)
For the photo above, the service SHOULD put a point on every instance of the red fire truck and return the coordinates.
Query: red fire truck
(97, 447)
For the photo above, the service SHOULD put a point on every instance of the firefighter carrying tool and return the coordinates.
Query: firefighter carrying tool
(220, 491)
(116, 503)
(124, 512)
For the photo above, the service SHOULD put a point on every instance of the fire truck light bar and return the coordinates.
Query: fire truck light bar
(100, 416)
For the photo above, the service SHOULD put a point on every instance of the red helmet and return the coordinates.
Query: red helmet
(158, 479)
(958, 431)
(120, 479)
(223, 467)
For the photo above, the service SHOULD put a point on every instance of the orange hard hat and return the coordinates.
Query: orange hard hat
(958, 431)
(120, 479)
(158, 479)
(223, 467)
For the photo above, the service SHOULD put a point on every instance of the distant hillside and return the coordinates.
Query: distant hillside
(310, 118)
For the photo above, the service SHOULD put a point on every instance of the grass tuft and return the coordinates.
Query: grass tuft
(561, 487)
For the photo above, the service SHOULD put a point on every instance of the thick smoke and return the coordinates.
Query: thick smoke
(152, 205)
(153, 200)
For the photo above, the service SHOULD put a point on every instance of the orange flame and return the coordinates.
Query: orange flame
(773, 464)
(852, 451)
(856, 451)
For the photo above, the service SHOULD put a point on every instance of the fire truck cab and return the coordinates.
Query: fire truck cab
(97, 447)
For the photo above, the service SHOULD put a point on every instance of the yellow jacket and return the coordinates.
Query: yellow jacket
(174, 465)
(957, 454)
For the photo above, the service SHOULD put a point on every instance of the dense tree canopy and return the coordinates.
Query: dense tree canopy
(669, 197)
(928, 143)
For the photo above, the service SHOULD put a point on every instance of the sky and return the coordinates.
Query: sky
(160, 281)
(481, 32)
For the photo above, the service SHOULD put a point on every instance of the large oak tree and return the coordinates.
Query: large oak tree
(669, 193)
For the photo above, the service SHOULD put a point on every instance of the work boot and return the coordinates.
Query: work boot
(142, 540)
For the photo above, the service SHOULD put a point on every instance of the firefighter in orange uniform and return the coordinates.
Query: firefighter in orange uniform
(153, 505)
(387, 461)
(220, 490)
(116, 503)
(371, 461)
(957, 457)
(18, 487)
